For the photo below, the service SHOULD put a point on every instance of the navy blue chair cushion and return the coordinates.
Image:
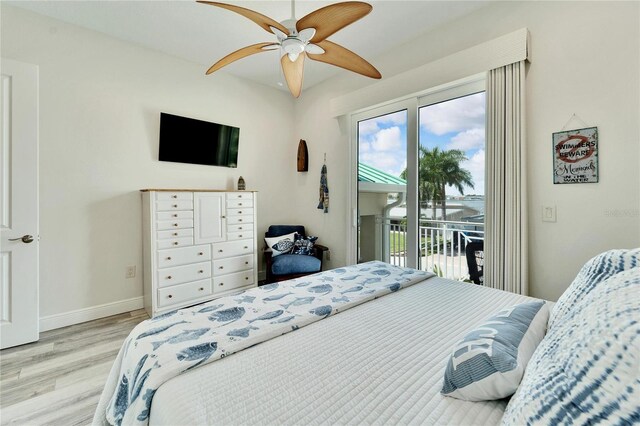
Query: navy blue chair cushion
(286, 264)
(278, 230)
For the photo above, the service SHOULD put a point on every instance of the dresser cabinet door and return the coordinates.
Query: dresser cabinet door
(210, 225)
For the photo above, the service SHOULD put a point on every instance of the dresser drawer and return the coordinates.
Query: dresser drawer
(240, 211)
(175, 242)
(236, 220)
(231, 281)
(241, 203)
(176, 233)
(163, 225)
(162, 206)
(239, 196)
(181, 214)
(233, 264)
(183, 274)
(183, 256)
(246, 227)
(164, 196)
(232, 248)
(241, 235)
(184, 292)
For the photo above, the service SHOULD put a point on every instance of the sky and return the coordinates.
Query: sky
(454, 124)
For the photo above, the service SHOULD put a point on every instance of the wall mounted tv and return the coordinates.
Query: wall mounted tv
(187, 140)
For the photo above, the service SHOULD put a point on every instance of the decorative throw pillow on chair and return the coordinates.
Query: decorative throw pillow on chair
(282, 244)
(304, 245)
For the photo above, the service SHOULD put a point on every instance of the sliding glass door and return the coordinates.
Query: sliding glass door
(418, 197)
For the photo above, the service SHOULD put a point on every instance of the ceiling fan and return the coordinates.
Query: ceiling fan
(304, 37)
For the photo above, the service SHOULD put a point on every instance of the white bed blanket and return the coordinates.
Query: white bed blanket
(378, 363)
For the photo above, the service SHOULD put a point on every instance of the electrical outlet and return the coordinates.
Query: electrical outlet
(130, 272)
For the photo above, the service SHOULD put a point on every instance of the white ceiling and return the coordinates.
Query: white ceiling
(203, 34)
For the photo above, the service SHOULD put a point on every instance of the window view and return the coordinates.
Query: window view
(450, 187)
(451, 183)
(382, 159)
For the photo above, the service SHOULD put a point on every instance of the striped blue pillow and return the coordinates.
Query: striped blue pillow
(490, 361)
(593, 272)
(587, 368)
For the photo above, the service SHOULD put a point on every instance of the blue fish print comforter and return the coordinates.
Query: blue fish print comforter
(163, 347)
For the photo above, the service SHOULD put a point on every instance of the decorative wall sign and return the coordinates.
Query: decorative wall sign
(575, 156)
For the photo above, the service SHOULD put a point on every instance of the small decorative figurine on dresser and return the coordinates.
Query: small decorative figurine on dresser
(241, 185)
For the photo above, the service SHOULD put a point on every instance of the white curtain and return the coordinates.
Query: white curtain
(505, 245)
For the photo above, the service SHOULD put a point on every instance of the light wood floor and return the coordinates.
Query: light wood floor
(58, 380)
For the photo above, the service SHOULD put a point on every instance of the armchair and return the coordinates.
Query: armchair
(289, 266)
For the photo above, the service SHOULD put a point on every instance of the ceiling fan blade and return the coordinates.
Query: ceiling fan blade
(260, 19)
(332, 18)
(334, 54)
(242, 53)
(293, 73)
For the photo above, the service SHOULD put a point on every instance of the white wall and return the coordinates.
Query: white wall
(585, 60)
(100, 101)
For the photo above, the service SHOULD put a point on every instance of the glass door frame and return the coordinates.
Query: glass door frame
(412, 103)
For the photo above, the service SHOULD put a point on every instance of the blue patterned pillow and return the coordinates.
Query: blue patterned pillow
(304, 245)
(490, 361)
(587, 368)
(593, 272)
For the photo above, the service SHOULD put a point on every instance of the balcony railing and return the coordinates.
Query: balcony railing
(442, 245)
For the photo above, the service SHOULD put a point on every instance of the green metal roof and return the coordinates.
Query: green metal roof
(367, 173)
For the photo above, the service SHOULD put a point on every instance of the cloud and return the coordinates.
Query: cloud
(476, 167)
(469, 139)
(368, 127)
(392, 164)
(456, 115)
(387, 140)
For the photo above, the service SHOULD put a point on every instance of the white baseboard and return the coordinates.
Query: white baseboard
(87, 314)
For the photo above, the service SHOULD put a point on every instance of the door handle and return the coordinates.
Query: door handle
(25, 239)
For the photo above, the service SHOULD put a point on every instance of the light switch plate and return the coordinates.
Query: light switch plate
(548, 213)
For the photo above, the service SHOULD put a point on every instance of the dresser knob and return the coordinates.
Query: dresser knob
(175, 243)
(169, 258)
(240, 228)
(223, 217)
(239, 212)
(200, 254)
(239, 220)
(219, 251)
(175, 224)
(175, 215)
(175, 206)
(246, 278)
(169, 277)
(246, 263)
(221, 267)
(201, 288)
(240, 236)
(175, 234)
(221, 284)
(170, 296)
(174, 196)
(239, 204)
(245, 247)
(201, 271)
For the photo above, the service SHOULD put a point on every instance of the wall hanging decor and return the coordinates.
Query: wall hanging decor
(303, 157)
(575, 156)
(323, 203)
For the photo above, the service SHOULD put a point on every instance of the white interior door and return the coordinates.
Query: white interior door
(18, 203)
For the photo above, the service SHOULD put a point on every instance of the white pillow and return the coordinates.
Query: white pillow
(490, 361)
(282, 244)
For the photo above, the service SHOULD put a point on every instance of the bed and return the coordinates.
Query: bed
(380, 362)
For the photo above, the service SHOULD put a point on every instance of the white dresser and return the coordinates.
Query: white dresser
(198, 245)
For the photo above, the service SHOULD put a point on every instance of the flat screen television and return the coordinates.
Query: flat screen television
(187, 140)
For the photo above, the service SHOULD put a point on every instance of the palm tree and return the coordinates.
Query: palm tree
(437, 169)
